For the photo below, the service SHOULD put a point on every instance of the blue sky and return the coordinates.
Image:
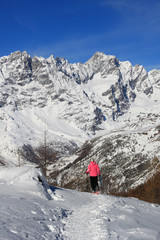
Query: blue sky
(75, 30)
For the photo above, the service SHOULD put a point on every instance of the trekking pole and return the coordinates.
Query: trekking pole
(100, 179)
(87, 184)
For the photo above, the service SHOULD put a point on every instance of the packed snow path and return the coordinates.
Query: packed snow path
(30, 210)
(99, 217)
(88, 219)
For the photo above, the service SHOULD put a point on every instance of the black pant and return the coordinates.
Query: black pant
(94, 183)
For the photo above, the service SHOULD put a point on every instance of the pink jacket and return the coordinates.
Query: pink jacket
(93, 169)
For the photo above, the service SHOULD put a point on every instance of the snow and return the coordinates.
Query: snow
(31, 210)
(34, 123)
(47, 97)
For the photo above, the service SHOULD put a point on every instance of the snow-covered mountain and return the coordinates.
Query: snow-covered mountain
(127, 158)
(111, 104)
(31, 210)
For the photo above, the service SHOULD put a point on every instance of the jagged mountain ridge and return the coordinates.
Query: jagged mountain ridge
(53, 78)
(72, 101)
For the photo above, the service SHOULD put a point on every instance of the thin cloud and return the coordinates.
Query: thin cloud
(118, 4)
(121, 5)
(83, 48)
(76, 44)
(25, 25)
(136, 10)
(71, 48)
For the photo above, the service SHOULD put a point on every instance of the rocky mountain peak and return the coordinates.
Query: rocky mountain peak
(84, 96)
(99, 56)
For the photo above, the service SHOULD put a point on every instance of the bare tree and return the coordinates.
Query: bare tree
(46, 154)
(42, 156)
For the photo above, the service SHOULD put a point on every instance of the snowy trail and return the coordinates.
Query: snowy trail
(31, 210)
(100, 217)
(88, 221)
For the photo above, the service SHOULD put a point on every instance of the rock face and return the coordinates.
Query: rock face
(102, 83)
(74, 103)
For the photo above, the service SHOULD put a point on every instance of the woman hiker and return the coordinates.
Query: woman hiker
(93, 170)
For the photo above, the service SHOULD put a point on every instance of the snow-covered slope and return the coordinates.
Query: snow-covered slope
(30, 210)
(127, 157)
(71, 101)
(108, 105)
